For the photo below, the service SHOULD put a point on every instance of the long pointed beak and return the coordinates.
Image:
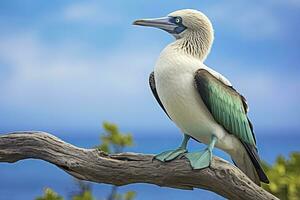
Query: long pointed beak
(162, 23)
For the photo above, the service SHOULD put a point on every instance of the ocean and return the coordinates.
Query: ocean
(26, 179)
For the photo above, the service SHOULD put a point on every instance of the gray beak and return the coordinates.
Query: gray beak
(163, 23)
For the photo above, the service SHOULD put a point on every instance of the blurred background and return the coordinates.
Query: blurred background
(67, 66)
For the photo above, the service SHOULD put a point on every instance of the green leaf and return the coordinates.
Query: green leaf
(49, 194)
(130, 195)
(113, 141)
(87, 195)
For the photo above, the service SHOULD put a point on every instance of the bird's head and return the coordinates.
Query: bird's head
(192, 27)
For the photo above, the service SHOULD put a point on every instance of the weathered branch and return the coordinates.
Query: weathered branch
(126, 168)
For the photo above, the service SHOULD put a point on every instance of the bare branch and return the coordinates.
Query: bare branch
(126, 168)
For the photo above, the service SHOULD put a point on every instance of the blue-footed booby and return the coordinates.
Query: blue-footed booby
(200, 101)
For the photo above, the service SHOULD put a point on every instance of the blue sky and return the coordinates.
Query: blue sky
(73, 64)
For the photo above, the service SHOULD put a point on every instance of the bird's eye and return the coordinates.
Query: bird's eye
(177, 20)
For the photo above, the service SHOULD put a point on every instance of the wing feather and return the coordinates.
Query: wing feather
(226, 105)
(154, 92)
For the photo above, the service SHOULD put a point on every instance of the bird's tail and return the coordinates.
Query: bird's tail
(248, 161)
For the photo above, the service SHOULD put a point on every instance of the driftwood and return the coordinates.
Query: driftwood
(121, 169)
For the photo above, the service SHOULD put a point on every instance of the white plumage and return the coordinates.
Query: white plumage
(174, 77)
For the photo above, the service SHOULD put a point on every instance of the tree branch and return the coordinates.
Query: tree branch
(126, 168)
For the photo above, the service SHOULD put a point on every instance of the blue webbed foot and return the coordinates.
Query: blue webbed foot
(200, 160)
(170, 155)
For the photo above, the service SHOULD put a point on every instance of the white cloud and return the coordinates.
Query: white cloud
(92, 12)
(250, 19)
(288, 3)
(62, 77)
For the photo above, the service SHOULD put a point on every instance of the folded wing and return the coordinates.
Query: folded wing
(229, 109)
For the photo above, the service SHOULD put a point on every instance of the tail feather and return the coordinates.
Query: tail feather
(248, 161)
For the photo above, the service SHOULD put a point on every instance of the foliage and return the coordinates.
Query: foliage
(130, 195)
(49, 195)
(114, 141)
(87, 195)
(284, 177)
(84, 191)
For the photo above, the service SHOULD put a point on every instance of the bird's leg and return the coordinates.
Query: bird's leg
(200, 160)
(172, 154)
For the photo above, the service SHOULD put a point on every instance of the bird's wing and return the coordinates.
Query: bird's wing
(229, 109)
(153, 89)
(226, 105)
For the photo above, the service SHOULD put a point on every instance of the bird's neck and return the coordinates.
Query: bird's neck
(196, 44)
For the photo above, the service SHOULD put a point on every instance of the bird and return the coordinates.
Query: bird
(200, 101)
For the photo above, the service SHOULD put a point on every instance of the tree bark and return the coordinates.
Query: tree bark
(126, 168)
